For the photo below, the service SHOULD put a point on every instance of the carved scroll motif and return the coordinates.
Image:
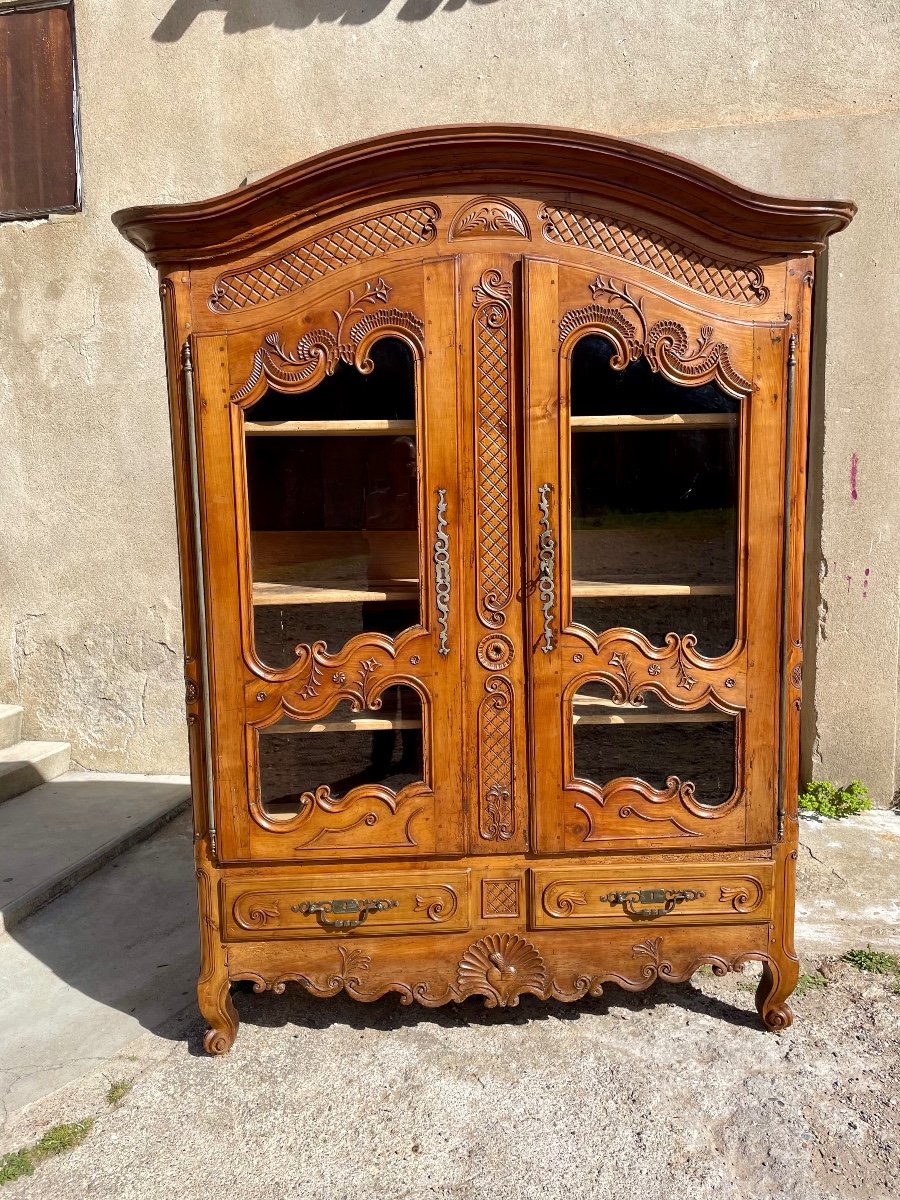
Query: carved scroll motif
(737, 282)
(664, 344)
(497, 819)
(319, 351)
(489, 216)
(372, 237)
(493, 454)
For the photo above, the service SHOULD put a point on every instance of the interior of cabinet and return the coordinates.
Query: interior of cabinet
(332, 489)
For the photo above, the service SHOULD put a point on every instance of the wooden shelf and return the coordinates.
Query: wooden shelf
(325, 593)
(627, 421)
(329, 428)
(595, 710)
(583, 589)
(343, 725)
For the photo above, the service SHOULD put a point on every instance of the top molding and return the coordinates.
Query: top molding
(483, 158)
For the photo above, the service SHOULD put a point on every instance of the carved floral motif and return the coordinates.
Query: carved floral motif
(319, 351)
(665, 344)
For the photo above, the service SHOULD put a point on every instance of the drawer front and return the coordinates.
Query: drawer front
(683, 894)
(280, 906)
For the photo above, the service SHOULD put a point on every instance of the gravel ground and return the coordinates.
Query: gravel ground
(671, 1092)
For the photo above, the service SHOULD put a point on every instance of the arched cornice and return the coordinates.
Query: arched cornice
(485, 159)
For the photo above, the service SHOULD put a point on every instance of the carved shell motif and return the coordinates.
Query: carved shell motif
(501, 967)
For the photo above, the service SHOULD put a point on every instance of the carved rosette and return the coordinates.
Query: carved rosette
(319, 351)
(493, 453)
(371, 237)
(496, 810)
(619, 316)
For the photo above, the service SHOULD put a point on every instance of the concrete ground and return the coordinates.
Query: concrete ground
(672, 1092)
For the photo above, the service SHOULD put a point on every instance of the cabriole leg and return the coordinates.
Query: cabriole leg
(216, 1005)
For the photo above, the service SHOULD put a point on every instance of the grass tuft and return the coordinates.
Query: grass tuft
(827, 800)
(118, 1090)
(55, 1141)
(878, 962)
(809, 983)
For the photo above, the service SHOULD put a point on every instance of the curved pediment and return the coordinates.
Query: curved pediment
(486, 159)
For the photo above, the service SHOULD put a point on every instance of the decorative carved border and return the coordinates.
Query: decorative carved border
(664, 344)
(735, 282)
(493, 458)
(501, 968)
(371, 237)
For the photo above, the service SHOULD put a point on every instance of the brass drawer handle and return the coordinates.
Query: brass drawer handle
(546, 581)
(441, 557)
(636, 903)
(322, 907)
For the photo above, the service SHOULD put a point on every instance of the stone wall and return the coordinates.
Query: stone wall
(181, 99)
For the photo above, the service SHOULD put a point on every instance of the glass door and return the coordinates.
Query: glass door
(345, 506)
(642, 542)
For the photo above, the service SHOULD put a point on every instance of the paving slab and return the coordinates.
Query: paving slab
(57, 834)
(81, 978)
(848, 883)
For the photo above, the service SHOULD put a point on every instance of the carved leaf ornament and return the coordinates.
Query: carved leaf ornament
(664, 344)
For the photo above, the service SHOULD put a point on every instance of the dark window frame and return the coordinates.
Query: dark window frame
(36, 214)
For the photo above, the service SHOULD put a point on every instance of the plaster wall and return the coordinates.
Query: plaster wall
(180, 100)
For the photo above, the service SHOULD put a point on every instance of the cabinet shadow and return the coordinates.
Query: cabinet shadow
(244, 15)
(296, 1007)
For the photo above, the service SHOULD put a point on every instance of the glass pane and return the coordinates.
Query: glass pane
(332, 483)
(654, 477)
(342, 751)
(653, 742)
(709, 618)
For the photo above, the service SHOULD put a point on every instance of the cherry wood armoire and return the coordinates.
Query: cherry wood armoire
(490, 460)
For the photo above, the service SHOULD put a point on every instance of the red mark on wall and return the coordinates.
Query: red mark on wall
(854, 471)
(866, 583)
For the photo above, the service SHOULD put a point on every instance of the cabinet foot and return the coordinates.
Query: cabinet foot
(218, 1008)
(779, 978)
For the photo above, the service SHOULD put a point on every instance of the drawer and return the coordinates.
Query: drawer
(680, 894)
(295, 906)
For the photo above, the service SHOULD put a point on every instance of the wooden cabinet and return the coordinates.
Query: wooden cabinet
(490, 451)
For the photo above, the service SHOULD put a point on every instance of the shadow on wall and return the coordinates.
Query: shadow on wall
(243, 15)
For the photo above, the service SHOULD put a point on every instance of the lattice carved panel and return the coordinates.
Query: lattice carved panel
(736, 282)
(493, 453)
(372, 237)
(496, 810)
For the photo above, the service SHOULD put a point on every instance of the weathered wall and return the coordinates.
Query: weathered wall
(181, 103)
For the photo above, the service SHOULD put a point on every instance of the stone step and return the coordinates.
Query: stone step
(11, 716)
(26, 765)
(57, 834)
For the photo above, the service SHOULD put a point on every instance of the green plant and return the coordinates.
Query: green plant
(829, 800)
(878, 962)
(808, 983)
(55, 1141)
(118, 1090)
